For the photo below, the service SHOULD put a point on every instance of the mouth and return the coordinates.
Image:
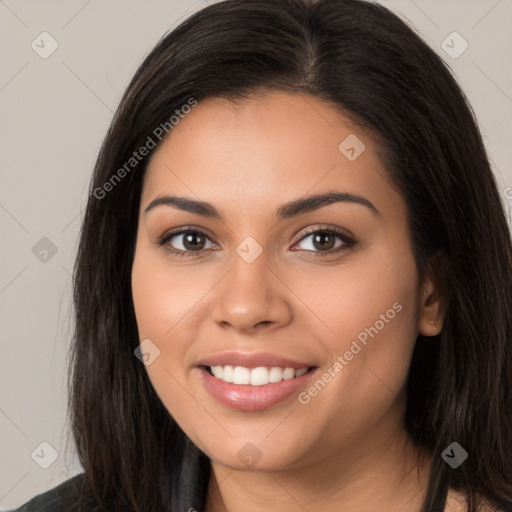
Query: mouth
(253, 382)
(259, 376)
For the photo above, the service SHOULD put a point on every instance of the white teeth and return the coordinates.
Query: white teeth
(275, 375)
(288, 373)
(259, 376)
(241, 375)
(227, 373)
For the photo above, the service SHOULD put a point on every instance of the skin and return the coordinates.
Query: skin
(347, 448)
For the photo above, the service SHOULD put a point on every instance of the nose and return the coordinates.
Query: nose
(251, 297)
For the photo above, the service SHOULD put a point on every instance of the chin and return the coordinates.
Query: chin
(256, 455)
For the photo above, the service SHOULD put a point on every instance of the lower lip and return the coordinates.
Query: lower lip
(252, 398)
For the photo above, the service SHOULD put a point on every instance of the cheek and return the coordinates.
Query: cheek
(162, 299)
(370, 288)
(371, 314)
(162, 296)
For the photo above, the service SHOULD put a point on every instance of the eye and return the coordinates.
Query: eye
(186, 242)
(193, 241)
(324, 241)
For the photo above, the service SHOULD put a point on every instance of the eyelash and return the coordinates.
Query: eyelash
(348, 242)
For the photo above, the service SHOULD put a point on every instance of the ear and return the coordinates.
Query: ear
(431, 311)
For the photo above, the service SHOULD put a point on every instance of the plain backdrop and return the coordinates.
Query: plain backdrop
(54, 112)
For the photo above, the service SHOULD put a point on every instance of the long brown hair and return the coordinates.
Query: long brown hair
(366, 61)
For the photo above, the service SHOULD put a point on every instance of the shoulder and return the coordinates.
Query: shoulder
(62, 498)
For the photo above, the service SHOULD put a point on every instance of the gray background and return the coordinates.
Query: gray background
(54, 115)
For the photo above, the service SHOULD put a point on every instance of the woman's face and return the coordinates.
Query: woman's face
(310, 308)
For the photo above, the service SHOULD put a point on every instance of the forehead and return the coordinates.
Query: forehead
(262, 149)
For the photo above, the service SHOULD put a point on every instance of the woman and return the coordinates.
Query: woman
(293, 284)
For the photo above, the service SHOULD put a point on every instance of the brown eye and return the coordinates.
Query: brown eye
(186, 242)
(193, 241)
(325, 241)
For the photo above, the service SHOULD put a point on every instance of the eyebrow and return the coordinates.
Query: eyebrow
(287, 211)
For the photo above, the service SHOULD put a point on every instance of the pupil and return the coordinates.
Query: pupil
(322, 239)
(189, 241)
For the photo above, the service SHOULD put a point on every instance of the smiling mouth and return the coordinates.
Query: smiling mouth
(259, 376)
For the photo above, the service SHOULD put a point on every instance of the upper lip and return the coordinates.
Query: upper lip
(252, 360)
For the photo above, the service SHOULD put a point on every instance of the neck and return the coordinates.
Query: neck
(365, 478)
